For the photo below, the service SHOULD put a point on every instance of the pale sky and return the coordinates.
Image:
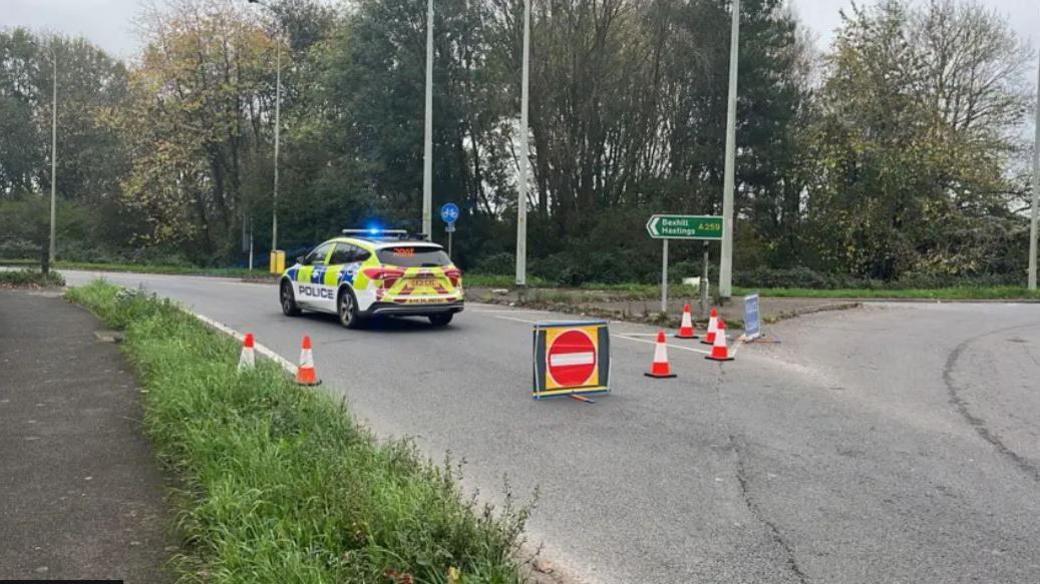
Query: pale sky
(108, 22)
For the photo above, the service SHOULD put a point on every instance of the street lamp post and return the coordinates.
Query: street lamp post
(427, 211)
(1036, 199)
(521, 206)
(54, 156)
(277, 142)
(729, 182)
(277, 132)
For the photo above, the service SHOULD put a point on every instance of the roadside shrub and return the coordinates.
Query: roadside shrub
(30, 279)
(785, 278)
(498, 264)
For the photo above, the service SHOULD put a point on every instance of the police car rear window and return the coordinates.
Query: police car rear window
(413, 256)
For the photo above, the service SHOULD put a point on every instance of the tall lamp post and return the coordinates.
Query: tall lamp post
(1036, 198)
(521, 206)
(54, 156)
(277, 132)
(427, 210)
(729, 182)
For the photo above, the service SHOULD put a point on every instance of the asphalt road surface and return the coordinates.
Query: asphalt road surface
(895, 443)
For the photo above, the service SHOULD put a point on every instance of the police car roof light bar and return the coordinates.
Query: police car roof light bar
(375, 232)
(386, 234)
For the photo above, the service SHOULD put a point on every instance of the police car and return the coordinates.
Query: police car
(368, 273)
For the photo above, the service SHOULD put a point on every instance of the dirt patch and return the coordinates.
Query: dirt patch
(601, 304)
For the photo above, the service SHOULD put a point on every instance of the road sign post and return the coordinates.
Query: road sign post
(664, 275)
(665, 227)
(450, 214)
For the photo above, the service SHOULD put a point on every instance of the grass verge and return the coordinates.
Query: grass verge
(280, 484)
(259, 272)
(621, 292)
(30, 279)
(959, 293)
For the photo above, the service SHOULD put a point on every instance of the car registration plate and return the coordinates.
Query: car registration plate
(423, 282)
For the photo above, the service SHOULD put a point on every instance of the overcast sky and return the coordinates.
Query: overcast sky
(108, 22)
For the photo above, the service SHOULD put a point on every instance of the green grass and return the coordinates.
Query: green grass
(280, 484)
(260, 271)
(958, 293)
(30, 279)
(634, 291)
(500, 281)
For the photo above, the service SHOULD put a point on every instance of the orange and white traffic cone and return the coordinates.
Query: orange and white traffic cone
(719, 351)
(247, 359)
(660, 368)
(686, 326)
(305, 373)
(713, 325)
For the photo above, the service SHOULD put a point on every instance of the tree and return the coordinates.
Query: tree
(91, 157)
(200, 96)
(914, 139)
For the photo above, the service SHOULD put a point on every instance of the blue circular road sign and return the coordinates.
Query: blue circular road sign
(450, 213)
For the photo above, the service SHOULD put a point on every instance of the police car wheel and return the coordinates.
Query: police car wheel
(441, 319)
(289, 307)
(346, 309)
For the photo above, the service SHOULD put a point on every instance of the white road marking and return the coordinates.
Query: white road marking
(523, 320)
(508, 311)
(670, 346)
(266, 352)
(625, 336)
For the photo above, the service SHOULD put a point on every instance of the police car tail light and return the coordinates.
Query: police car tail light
(388, 276)
(455, 275)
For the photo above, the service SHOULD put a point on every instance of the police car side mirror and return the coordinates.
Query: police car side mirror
(301, 260)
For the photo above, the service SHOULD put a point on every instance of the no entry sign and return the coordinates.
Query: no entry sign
(571, 358)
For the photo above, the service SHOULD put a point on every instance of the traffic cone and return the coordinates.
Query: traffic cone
(247, 359)
(305, 373)
(660, 368)
(713, 325)
(686, 326)
(719, 351)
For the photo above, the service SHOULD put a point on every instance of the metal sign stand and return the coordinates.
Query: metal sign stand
(664, 275)
(665, 227)
(450, 214)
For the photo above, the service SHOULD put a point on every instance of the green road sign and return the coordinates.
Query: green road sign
(685, 227)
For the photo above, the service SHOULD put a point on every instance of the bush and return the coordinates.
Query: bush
(498, 264)
(807, 278)
(30, 279)
(788, 278)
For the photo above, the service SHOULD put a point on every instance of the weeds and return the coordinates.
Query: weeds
(280, 484)
(30, 279)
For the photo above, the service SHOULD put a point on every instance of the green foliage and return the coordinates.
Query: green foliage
(893, 156)
(912, 141)
(898, 293)
(30, 279)
(281, 484)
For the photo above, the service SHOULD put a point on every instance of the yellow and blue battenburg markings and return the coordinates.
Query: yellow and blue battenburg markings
(322, 275)
(571, 359)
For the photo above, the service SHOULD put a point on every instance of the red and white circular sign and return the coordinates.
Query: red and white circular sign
(572, 359)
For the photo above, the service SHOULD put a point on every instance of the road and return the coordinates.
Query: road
(895, 443)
